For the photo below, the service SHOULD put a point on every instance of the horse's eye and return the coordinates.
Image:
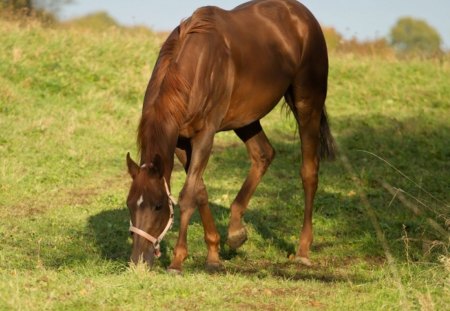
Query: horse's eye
(158, 207)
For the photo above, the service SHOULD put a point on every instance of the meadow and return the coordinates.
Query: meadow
(70, 102)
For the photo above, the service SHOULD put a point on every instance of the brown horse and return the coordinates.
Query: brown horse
(225, 70)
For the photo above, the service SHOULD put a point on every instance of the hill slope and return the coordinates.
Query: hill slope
(69, 106)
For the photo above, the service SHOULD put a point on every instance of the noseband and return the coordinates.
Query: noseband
(152, 239)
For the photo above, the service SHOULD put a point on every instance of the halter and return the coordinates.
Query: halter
(149, 237)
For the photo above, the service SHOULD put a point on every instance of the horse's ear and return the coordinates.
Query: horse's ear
(158, 166)
(133, 168)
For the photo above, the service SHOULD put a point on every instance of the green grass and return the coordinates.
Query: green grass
(69, 106)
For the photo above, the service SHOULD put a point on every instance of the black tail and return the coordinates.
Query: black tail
(328, 148)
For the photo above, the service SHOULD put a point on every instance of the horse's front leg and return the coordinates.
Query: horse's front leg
(212, 237)
(193, 194)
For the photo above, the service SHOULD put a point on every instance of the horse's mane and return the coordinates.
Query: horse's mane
(167, 94)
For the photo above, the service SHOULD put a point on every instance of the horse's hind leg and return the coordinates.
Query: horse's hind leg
(261, 154)
(308, 108)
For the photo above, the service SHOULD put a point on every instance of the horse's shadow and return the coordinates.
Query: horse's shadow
(110, 230)
(279, 223)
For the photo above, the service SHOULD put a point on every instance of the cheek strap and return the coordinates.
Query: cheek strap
(149, 237)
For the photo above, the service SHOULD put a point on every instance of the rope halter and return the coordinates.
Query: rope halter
(149, 237)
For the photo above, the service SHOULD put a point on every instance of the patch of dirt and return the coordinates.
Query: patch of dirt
(253, 306)
(85, 195)
(375, 260)
(329, 270)
(218, 148)
(268, 292)
(63, 197)
(23, 210)
(81, 196)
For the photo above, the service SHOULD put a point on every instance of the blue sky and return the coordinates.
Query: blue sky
(363, 19)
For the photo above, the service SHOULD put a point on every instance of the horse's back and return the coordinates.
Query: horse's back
(269, 42)
(274, 27)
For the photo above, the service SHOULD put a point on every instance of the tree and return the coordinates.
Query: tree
(42, 10)
(414, 35)
(17, 5)
(30, 6)
(332, 37)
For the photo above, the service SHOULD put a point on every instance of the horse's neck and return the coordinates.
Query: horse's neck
(161, 139)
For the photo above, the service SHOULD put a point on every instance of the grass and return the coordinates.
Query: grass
(69, 106)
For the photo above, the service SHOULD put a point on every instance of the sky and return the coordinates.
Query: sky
(363, 19)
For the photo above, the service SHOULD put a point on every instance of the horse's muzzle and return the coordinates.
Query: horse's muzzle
(147, 256)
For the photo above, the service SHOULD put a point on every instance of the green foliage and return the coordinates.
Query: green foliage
(412, 35)
(70, 102)
(95, 21)
(375, 48)
(17, 4)
(337, 44)
(28, 11)
(332, 37)
(28, 6)
(102, 21)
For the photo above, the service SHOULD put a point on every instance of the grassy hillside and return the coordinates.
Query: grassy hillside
(69, 106)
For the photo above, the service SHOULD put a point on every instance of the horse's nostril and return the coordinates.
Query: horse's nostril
(146, 255)
(149, 257)
(134, 260)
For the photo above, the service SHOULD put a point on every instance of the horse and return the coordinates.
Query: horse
(223, 70)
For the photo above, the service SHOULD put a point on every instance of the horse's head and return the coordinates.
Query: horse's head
(151, 208)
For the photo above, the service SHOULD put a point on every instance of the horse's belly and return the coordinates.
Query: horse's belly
(244, 110)
(259, 85)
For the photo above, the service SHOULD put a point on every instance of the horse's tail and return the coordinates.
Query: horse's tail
(328, 148)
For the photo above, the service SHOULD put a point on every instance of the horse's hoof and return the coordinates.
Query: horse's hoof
(236, 239)
(214, 267)
(303, 260)
(173, 271)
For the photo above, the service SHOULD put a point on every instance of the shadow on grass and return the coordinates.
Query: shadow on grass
(107, 235)
(109, 228)
(110, 231)
(409, 144)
